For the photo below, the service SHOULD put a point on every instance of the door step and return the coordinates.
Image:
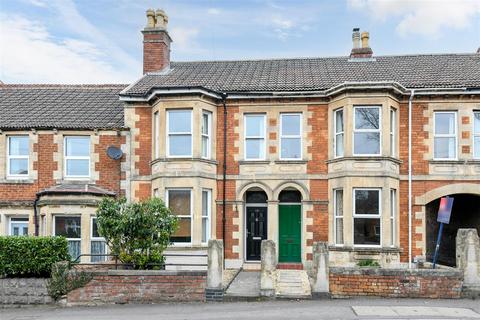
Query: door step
(251, 266)
(292, 284)
(290, 266)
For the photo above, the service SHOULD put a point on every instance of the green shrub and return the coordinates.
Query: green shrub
(63, 280)
(31, 256)
(137, 232)
(368, 263)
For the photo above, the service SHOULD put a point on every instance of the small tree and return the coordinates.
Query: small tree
(137, 232)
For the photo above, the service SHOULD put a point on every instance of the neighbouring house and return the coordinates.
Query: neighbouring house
(292, 150)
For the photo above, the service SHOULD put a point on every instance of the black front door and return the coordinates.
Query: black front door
(256, 231)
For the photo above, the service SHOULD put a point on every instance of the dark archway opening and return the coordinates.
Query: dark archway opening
(465, 214)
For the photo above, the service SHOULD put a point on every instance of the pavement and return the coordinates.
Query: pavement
(278, 310)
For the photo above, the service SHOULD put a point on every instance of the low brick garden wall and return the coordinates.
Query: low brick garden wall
(140, 286)
(21, 291)
(395, 283)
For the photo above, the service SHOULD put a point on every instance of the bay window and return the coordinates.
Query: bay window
(445, 135)
(69, 227)
(98, 246)
(206, 214)
(206, 134)
(18, 156)
(291, 136)
(255, 136)
(366, 217)
(476, 134)
(338, 141)
(338, 211)
(180, 202)
(366, 131)
(77, 156)
(179, 133)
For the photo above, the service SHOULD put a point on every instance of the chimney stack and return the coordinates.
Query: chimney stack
(156, 42)
(360, 52)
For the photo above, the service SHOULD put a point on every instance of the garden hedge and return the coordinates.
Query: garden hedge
(31, 256)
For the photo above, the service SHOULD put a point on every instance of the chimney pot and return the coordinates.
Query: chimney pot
(150, 18)
(161, 19)
(364, 51)
(356, 37)
(365, 37)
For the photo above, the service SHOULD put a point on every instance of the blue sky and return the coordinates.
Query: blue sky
(99, 41)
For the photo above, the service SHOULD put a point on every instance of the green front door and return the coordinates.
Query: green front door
(290, 226)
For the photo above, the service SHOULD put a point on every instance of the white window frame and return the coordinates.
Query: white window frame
(476, 134)
(455, 135)
(208, 216)
(10, 231)
(336, 134)
(66, 158)
(379, 130)
(69, 239)
(190, 133)
(208, 135)
(393, 133)
(264, 149)
(156, 134)
(167, 190)
(299, 136)
(10, 157)
(393, 217)
(335, 217)
(92, 238)
(367, 216)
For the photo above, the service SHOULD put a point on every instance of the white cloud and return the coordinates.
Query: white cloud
(35, 56)
(424, 17)
(214, 11)
(184, 38)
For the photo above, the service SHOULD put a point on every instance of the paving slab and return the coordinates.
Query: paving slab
(245, 284)
(414, 311)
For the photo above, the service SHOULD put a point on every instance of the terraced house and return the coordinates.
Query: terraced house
(354, 150)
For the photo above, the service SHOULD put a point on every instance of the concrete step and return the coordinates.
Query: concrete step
(245, 285)
(292, 284)
(290, 266)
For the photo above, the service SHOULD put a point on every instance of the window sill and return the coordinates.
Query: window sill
(180, 159)
(455, 161)
(365, 158)
(241, 162)
(12, 180)
(299, 161)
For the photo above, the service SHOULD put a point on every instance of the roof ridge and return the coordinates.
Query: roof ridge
(62, 86)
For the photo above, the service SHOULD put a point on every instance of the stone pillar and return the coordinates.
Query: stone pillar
(269, 266)
(214, 290)
(320, 286)
(468, 256)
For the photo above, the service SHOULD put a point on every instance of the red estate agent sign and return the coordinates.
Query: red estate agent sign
(445, 210)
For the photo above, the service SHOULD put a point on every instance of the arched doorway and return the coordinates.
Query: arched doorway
(290, 226)
(255, 222)
(465, 214)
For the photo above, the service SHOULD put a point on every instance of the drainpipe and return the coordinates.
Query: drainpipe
(35, 215)
(412, 93)
(224, 202)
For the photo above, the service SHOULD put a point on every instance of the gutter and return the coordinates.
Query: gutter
(412, 93)
(224, 202)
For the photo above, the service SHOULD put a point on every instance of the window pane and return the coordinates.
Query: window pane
(77, 167)
(77, 146)
(445, 148)
(254, 148)
(180, 145)
(444, 123)
(19, 228)
(204, 147)
(205, 203)
(255, 126)
(367, 202)
(476, 122)
(367, 118)
(339, 121)
(291, 148)
(74, 249)
(18, 146)
(205, 118)
(205, 234)
(180, 121)
(98, 247)
(18, 166)
(339, 145)
(366, 231)
(179, 202)
(291, 124)
(338, 203)
(69, 227)
(95, 233)
(476, 146)
(366, 143)
(339, 230)
(183, 234)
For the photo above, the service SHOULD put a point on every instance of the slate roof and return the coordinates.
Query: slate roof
(316, 74)
(76, 189)
(60, 106)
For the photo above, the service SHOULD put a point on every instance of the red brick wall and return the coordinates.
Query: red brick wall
(109, 170)
(349, 282)
(319, 139)
(156, 55)
(144, 139)
(141, 287)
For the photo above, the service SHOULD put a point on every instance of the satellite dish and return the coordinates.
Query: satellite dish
(114, 152)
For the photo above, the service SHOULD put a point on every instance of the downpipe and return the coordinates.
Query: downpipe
(410, 100)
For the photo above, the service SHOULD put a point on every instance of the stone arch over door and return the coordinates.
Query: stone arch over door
(449, 189)
(300, 187)
(252, 186)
